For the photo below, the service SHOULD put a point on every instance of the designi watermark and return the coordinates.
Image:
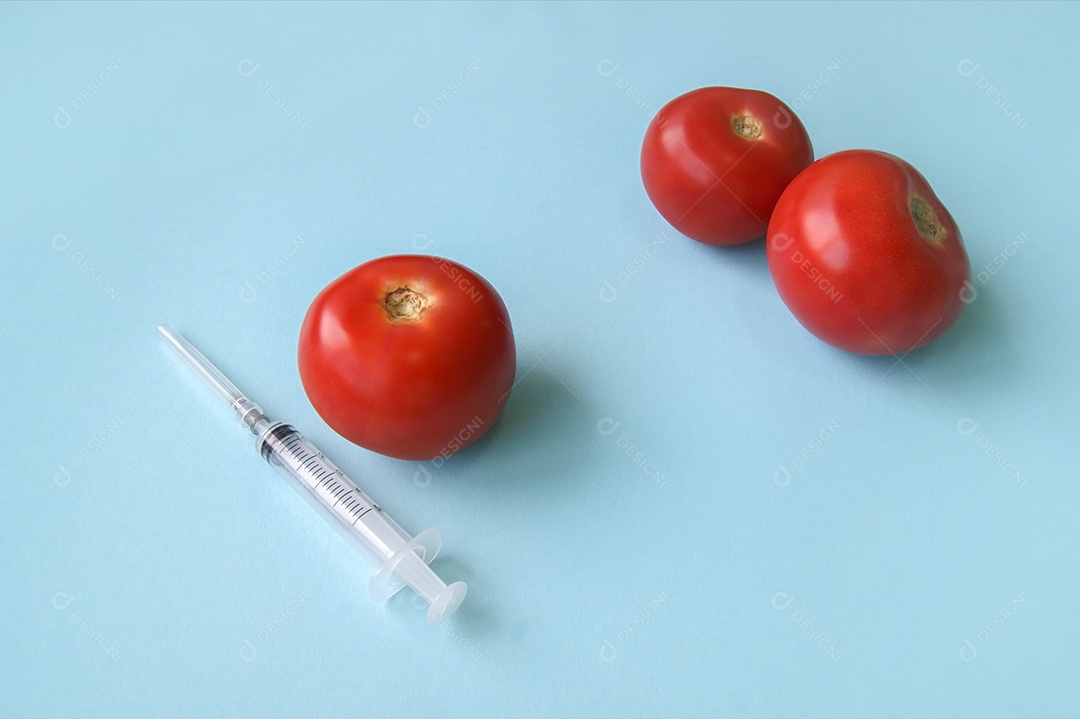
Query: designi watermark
(247, 68)
(607, 427)
(249, 290)
(967, 426)
(425, 113)
(423, 476)
(783, 476)
(63, 474)
(249, 649)
(607, 68)
(968, 651)
(781, 601)
(62, 243)
(608, 291)
(609, 650)
(817, 83)
(781, 242)
(63, 118)
(967, 68)
(62, 602)
(969, 292)
(452, 630)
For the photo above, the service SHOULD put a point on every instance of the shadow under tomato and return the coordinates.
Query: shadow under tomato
(532, 448)
(974, 355)
(749, 258)
(537, 438)
(971, 356)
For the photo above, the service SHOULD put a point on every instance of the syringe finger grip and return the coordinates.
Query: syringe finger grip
(386, 582)
(399, 560)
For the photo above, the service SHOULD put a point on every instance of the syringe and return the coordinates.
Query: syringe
(399, 559)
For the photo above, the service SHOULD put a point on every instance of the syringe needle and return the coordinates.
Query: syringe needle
(400, 559)
(246, 411)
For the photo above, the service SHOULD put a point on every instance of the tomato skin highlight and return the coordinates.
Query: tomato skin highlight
(410, 356)
(866, 256)
(715, 161)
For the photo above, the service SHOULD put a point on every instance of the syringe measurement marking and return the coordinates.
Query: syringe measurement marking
(328, 483)
(382, 542)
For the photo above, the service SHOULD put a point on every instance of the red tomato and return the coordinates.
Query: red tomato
(715, 161)
(865, 255)
(410, 356)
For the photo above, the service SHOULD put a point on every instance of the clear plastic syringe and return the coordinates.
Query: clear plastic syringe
(400, 560)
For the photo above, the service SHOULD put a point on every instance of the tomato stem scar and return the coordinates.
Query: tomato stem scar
(746, 126)
(926, 220)
(405, 305)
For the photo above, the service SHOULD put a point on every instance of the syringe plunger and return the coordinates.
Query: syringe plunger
(400, 560)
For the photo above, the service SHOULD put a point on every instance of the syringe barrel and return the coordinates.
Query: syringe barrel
(399, 559)
(336, 497)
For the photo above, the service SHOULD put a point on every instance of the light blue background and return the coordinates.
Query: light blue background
(152, 565)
